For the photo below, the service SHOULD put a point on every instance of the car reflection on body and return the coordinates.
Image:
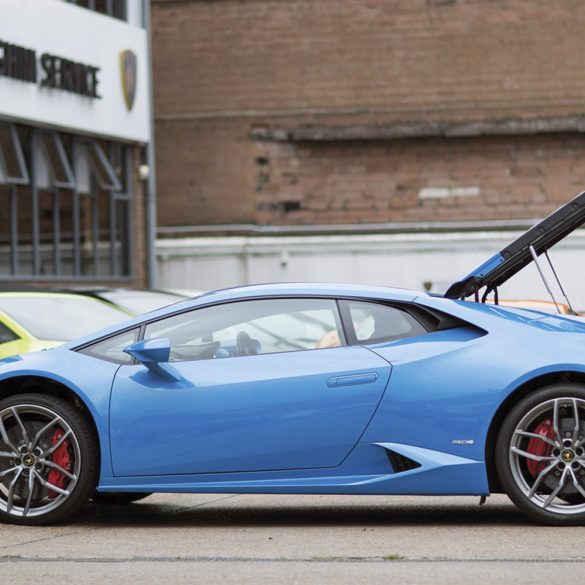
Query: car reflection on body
(309, 389)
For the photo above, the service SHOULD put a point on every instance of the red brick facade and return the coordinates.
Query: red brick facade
(258, 105)
(386, 181)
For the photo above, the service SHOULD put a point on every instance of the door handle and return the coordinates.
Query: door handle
(352, 380)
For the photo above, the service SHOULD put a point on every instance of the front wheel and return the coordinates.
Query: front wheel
(540, 455)
(49, 459)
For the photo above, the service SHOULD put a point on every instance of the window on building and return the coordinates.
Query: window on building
(114, 8)
(65, 206)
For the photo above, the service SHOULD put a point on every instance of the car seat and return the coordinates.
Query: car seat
(246, 345)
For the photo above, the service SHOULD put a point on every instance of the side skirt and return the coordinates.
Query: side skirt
(368, 471)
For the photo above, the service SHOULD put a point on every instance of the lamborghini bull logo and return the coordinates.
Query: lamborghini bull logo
(128, 73)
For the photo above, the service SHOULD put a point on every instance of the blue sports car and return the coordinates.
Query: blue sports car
(309, 389)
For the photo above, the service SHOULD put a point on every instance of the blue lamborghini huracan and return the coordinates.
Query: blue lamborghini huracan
(312, 389)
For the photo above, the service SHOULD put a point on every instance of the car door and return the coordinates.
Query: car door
(265, 384)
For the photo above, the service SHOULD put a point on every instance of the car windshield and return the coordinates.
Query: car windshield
(60, 318)
(140, 301)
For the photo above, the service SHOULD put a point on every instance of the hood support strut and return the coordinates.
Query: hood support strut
(546, 285)
(548, 288)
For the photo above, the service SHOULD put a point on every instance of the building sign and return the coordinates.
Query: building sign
(72, 69)
(69, 75)
(22, 64)
(17, 62)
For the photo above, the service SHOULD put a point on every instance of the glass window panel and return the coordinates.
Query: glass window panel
(82, 168)
(12, 165)
(119, 9)
(58, 164)
(375, 322)
(250, 328)
(46, 226)
(86, 235)
(118, 160)
(112, 349)
(24, 227)
(102, 6)
(122, 237)
(5, 230)
(115, 8)
(102, 167)
(7, 334)
(105, 209)
(66, 231)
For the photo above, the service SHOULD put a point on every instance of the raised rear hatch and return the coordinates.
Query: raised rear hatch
(510, 260)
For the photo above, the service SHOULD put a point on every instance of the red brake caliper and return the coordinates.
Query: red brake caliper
(539, 447)
(62, 458)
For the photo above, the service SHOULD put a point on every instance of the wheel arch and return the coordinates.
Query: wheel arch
(511, 400)
(26, 384)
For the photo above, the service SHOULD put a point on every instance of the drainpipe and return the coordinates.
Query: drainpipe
(151, 219)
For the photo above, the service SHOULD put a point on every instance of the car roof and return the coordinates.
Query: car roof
(312, 288)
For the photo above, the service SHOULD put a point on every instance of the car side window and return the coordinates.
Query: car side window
(112, 348)
(244, 328)
(378, 322)
(6, 334)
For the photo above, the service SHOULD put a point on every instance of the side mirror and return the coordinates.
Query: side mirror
(154, 354)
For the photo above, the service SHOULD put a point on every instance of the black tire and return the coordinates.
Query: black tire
(118, 499)
(81, 451)
(561, 462)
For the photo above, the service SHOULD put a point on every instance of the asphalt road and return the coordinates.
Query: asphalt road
(290, 539)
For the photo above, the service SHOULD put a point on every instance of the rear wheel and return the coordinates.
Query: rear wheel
(540, 455)
(49, 459)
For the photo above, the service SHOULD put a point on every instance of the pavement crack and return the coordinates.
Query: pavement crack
(54, 537)
(184, 509)
(302, 560)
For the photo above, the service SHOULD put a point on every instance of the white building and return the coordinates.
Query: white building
(75, 113)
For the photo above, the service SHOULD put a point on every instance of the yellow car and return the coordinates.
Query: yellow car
(31, 321)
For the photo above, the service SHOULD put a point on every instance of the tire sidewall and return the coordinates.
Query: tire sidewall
(89, 452)
(502, 458)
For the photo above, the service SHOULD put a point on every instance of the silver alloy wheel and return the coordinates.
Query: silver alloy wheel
(26, 459)
(563, 467)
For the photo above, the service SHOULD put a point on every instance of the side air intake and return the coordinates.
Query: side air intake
(400, 462)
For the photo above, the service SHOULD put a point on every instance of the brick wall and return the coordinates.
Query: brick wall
(413, 180)
(225, 68)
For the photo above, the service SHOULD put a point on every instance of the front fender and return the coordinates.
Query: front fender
(89, 378)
